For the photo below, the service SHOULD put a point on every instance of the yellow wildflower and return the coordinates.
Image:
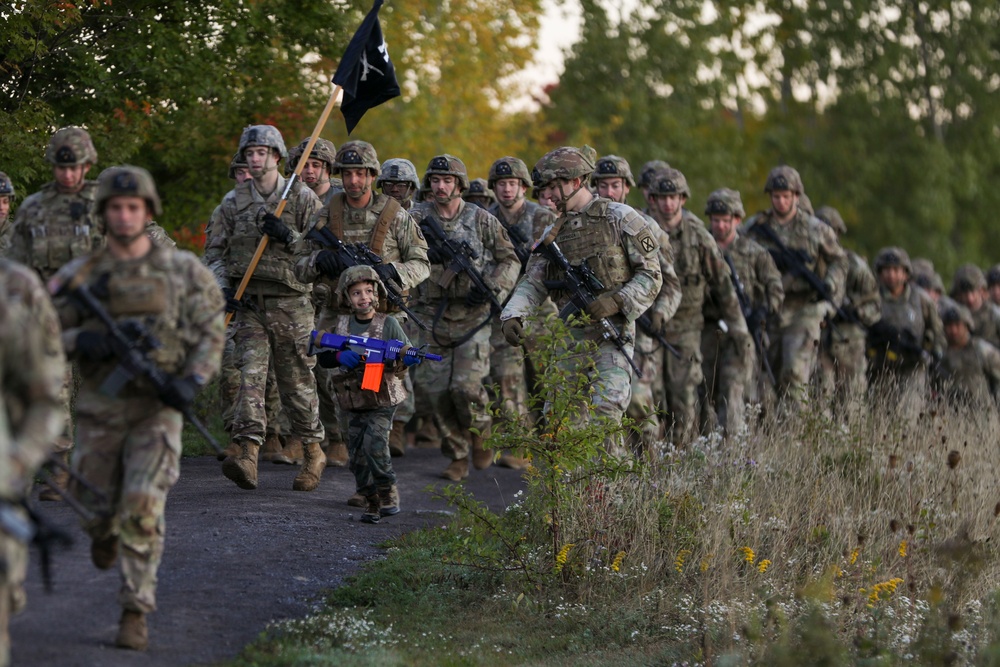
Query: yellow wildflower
(763, 565)
(705, 562)
(616, 564)
(748, 554)
(562, 557)
(902, 549)
(679, 561)
(837, 572)
(885, 588)
(854, 555)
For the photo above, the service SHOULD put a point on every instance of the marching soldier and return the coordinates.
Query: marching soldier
(129, 444)
(6, 201)
(992, 283)
(451, 392)
(275, 317)
(969, 370)
(398, 179)
(317, 169)
(968, 288)
(480, 194)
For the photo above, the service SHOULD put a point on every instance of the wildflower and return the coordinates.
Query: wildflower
(705, 562)
(748, 554)
(854, 555)
(885, 588)
(902, 549)
(763, 565)
(616, 564)
(563, 556)
(837, 572)
(679, 561)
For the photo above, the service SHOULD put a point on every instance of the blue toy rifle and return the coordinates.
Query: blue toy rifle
(374, 352)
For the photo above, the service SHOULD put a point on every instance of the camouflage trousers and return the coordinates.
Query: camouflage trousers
(682, 379)
(13, 573)
(841, 376)
(275, 333)
(725, 369)
(451, 392)
(647, 392)
(507, 371)
(368, 448)
(129, 449)
(229, 388)
(611, 382)
(793, 352)
(64, 443)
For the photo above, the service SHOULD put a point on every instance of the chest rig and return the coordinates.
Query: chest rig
(60, 227)
(467, 227)
(347, 382)
(592, 236)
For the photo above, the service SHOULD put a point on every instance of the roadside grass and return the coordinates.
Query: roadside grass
(207, 409)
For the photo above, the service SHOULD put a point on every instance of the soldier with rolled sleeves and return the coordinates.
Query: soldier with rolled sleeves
(129, 445)
(275, 317)
(795, 333)
(968, 287)
(398, 179)
(7, 195)
(619, 245)
(612, 179)
(360, 215)
(969, 370)
(451, 393)
(842, 372)
(54, 226)
(706, 291)
(732, 378)
(908, 337)
(524, 221)
(32, 366)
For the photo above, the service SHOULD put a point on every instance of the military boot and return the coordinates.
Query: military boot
(312, 470)
(427, 435)
(232, 449)
(132, 631)
(104, 551)
(336, 455)
(457, 470)
(292, 453)
(373, 511)
(388, 498)
(357, 500)
(58, 477)
(514, 462)
(272, 447)
(242, 469)
(481, 458)
(397, 439)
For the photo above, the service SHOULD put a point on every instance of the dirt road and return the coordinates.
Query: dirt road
(235, 560)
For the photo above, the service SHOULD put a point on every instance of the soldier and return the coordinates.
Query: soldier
(359, 215)
(733, 377)
(129, 445)
(274, 319)
(612, 179)
(32, 366)
(6, 201)
(969, 370)
(480, 194)
(317, 169)
(795, 334)
(842, 371)
(645, 178)
(620, 247)
(908, 336)
(706, 291)
(398, 179)
(968, 287)
(54, 226)
(992, 283)
(451, 392)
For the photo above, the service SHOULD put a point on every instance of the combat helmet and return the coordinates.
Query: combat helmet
(968, 278)
(956, 312)
(323, 150)
(71, 146)
(612, 166)
(669, 181)
(357, 154)
(479, 188)
(566, 163)
(893, 256)
(361, 273)
(6, 187)
(784, 178)
(399, 170)
(447, 165)
(831, 216)
(725, 201)
(509, 167)
(993, 275)
(263, 135)
(126, 181)
(237, 162)
(650, 168)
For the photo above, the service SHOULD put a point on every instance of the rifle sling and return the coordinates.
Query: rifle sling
(335, 220)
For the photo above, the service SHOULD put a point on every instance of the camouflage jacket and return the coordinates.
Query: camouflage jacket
(235, 232)
(32, 371)
(52, 229)
(861, 293)
(758, 275)
(5, 226)
(914, 314)
(669, 298)
(158, 235)
(970, 373)
(987, 320)
(530, 220)
(169, 292)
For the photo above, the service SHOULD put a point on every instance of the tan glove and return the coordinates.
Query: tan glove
(605, 305)
(513, 331)
(658, 321)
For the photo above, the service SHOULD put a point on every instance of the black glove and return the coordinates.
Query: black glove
(435, 256)
(232, 303)
(94, 346)
(276, 229)
(329, 263)
(477, 296)
(518, 236)
(99, 287)
(758, 319)
(327, 359)
(882, 331)
(179, 393)
(387, 272)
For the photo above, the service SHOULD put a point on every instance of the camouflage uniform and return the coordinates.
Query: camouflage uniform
(399, 170)
(842, 371)
(32, 366)
(620, 247)
(969, 373)
(451, 392)
(795, 335)
(970, 278)
(480, 194)
(992, 283)
(277, 316)
(323, 150)
(6, 190)
(384, 227)
(129, 445)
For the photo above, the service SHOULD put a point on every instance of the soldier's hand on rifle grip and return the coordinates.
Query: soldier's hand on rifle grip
(180, 392)
(513, 331)
(329, 264)
(276, 229)
(435, 256)
(476, 297)
(94, 346)
(658, 322)
(232, 303)
(388, 272)
(605, 305)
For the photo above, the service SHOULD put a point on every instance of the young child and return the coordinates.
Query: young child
(369, 412)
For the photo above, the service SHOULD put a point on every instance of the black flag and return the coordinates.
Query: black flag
(365, 73)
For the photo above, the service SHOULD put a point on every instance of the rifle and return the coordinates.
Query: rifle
(34, 530)
(520, 241)
(895, 344)
(360, 254)
(373, 351)
(460, 256)
(582, 286)
(753, 320)
(131, 344)
(645, 323)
